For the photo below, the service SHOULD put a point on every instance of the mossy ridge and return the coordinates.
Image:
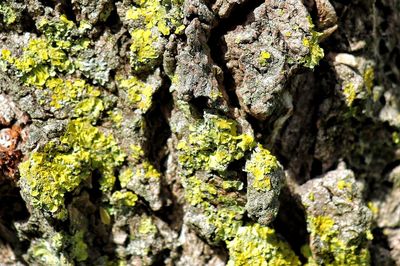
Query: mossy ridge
(212, 144)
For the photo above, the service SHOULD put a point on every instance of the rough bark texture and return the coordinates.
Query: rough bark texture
(199, 132)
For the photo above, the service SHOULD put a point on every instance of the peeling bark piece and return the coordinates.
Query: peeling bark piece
(196, 252)
(326, 14)
(92, 10)
(264, 182)
(394, 243)
(262, 54)
(337, 218)
(389, 210)
(196, 75)
(14, 120)
(224, 7)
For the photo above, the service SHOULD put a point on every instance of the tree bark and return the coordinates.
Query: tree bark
(199, 132)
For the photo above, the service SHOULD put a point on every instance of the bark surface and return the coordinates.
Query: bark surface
(199, 132)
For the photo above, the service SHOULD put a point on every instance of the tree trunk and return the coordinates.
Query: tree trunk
(199, 132)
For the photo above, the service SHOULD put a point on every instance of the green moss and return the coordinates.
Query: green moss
(261, 165)
(124, 198)
(258, 245)
(139, 93)
(60, 169)
(335, 252)
(316, 53)
(212, 144)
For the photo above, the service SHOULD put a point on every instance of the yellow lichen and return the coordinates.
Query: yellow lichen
(116, 116)
(125, 176)
(104, 216)
(212, 144)
(261, 165)
(64, 91)
(147, 170)
(147, 226)
(342, 184)
(350, 93)
(197, 191)
(143, 49)
(316, 53)
(333, 251)
(369, 76)
(124, 198)
(139, 93)
(136, 152)
(258, 245)
(8, 14)
(264, 57)
(153, 19)
(396, 137)
(57, 170)
(373, 207)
